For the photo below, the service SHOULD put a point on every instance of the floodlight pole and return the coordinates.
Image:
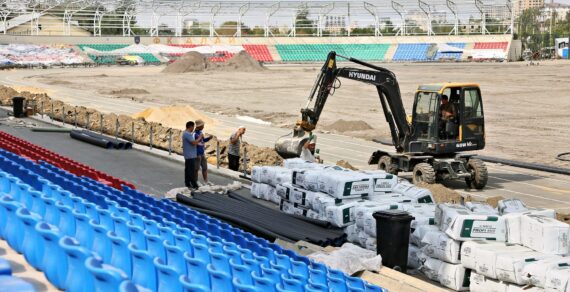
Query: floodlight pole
(480, 6)
(214, 11)
(242, 11)
(400, 10)
(511, 9)
(97, 18)
(426, 9)
(453, 8)
(272, 10)
(373, 10)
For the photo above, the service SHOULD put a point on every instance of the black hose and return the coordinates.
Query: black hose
(559, 157)
(81, 136)
(117, 143)
(534, 166)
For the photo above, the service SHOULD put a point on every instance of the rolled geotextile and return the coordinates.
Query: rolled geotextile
(51, 130)
(81, 136)
(268, 222)
(317, 222)
(117, 143)
(534, 166)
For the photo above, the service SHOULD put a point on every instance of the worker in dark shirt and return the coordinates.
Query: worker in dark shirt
(447, 109)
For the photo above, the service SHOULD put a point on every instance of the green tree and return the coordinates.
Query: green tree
(229, 28)
(303, 24)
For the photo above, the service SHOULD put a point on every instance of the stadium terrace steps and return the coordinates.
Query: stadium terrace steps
(87, 236)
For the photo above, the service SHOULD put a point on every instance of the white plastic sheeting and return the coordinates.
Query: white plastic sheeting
(30, 55)
(165, 49)
(349, 259)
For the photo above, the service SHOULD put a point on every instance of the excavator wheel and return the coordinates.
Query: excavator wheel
(423, 172)
(479, 174)
(385, 164)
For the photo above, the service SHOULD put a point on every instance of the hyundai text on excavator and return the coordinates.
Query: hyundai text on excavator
(429, 146)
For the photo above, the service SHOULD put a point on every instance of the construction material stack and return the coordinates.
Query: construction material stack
(342, 197)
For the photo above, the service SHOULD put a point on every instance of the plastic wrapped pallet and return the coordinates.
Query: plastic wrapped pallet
(537, 271)
(455, 277)
(461, 224)
(414, 257)
(481, 208)
(418, 195)
(341, 215)
(509, 266)
(544, 234)
(418, 234)
(438, 245)
(480, 283)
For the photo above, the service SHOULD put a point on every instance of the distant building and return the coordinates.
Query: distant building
(522, 5)
(561, 10)
(48, 25)
(335, 24)
(500, 12)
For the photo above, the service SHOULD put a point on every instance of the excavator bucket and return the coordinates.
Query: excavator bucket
(290, 145)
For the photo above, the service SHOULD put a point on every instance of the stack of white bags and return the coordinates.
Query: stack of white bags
(479, 248)
(343, 197)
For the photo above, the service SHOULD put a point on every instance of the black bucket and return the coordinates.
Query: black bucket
(18, 106)
(393, 238)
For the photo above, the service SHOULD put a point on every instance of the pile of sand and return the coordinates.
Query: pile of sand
(443, 194)
(128, 91)
(342, 126)
(190, 62)
(242, 61)
(173, 116)
(196, 62)
(345, 164)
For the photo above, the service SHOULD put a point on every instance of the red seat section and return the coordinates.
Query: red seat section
(491, 46)
(36, 153)
(259, 52)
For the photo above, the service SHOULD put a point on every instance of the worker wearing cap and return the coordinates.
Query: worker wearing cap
(201, 161)
(234, 148)
(189, 145)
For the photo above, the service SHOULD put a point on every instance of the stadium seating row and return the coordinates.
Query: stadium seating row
(318, 52)
(37, 153)
(78, 230)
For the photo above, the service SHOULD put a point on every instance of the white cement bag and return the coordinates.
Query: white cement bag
(263, 191)
(298, 163)
(311, 179)
(284, 191)
(481, 208)
(418, 195)
(444, 214)
(544, 234)
(480, 283)
(414, 257)
(469, 254)
(363, 215)
(454, 277)
(321, 201)
(362, 238)
(291, 208)
(538, 271)
(419, 233)
(558, 280)
(274, 198)
(550, 213)
(256, 173)
(424, 214)
(341, 215)
(381, 181)
(430, 267)
(486, 258)
(371, 243)
(463, 225)
(388, 198)
(438, 245)
(314, 215)
(507, 206)
(513, 225)
(370, 224)
(509, 266)
(517, 288)
(341, 184)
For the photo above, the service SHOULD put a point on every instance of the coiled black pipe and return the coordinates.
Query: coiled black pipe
(559, 156)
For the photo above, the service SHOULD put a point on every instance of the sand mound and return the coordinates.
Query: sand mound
(242, 61)
(345, 164)
(173, 116)
(190, 62)
(443, 194)
(346, 126)
(494, 201)
(129, 91)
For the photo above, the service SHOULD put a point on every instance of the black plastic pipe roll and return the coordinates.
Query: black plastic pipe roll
(81, 136)
(533, 166)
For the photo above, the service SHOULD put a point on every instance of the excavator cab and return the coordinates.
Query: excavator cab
(440, 128)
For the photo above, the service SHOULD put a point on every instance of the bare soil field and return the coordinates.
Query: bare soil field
(527, 108)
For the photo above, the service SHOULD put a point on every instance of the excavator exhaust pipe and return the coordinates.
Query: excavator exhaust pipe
(290, 145)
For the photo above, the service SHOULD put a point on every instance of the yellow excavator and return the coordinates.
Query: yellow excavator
(428, 145)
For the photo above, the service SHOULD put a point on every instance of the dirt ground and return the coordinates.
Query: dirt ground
(526, 107)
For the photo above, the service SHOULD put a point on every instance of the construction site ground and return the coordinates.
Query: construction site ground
(525, 110)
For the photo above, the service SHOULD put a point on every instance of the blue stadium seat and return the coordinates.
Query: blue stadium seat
(11, 284)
